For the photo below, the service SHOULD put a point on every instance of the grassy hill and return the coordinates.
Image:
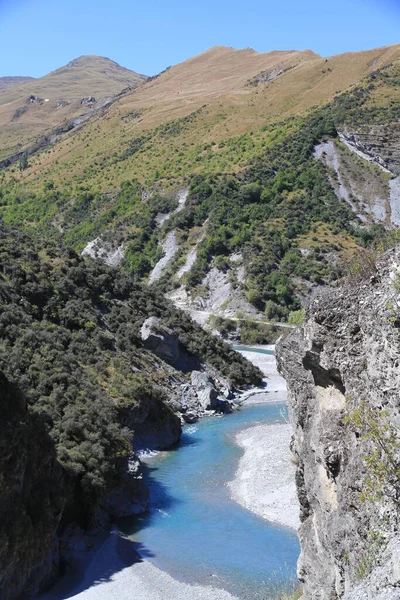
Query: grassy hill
(34, 107)
(7, 82)
(207, 100)
(239, 130)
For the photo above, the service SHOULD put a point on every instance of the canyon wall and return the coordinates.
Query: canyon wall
(343, 376)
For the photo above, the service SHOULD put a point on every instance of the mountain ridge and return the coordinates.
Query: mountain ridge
(13, 80)
(31, 109)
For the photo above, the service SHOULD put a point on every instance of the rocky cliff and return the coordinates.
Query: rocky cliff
(343, 376)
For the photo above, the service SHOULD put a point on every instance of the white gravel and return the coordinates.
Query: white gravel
(111, 573)
(182, 197)
(264, 482)
(265, 479)
(190, 260)
(394, 185)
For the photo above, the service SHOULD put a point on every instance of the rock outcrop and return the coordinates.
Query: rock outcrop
(153, 424)
(381, 143)
(160, 340)
(205, 390)
(343, 376)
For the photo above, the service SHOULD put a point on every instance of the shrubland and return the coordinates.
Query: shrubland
(70, 340)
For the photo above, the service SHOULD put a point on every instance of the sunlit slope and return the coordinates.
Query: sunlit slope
(33, 107)
(7, 82)
(185, 118)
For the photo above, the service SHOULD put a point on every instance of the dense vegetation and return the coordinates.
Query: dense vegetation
(69, 337)
(284, 197)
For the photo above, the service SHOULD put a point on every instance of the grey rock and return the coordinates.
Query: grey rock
(190, 417)
(160, 340)
(88, 100)
(345, 354)
(206, 392)
(228, 394)
(224, 406)
(131, 497)
(153, 424)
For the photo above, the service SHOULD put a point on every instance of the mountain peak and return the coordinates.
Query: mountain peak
(91, 60)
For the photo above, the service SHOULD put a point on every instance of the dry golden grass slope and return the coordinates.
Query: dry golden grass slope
(58, 98)
(221, 84)
(7, 82)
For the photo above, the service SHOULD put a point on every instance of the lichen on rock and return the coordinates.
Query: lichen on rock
(343, 358)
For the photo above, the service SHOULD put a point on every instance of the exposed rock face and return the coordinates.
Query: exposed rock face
(160, 340)
(104, 251)
(379, 142)
(154, 424)
(205, 390)
(131, 497)
(346, 356)
(364, 188)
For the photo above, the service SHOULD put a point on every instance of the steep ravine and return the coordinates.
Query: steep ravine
(343, 377)
(93, 367)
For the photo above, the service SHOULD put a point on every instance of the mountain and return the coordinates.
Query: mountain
(80, 88)
(237, 183)
(6, 82)
(221, 94)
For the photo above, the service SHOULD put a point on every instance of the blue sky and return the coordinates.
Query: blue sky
(37, 36)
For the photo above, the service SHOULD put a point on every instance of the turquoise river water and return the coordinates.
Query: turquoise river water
(194, 531)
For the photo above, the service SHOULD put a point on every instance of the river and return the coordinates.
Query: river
(196, 542)
(195, 531)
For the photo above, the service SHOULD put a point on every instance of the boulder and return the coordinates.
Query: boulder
(190, 417)
(206, 392)
(157, 338)
(129, 498)
(153, 424)
(223, 406)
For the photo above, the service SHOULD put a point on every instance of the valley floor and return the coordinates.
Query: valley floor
(265, 479)
(128, 581)
(264, 484)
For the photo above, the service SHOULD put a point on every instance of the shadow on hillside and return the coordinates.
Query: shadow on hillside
(111, 553)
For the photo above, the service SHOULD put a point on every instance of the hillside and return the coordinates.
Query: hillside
(252, 224)
(207, 100)
(33, 108)
(80, 386)
(6, 82)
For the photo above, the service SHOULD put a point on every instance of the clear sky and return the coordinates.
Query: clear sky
(37, 36)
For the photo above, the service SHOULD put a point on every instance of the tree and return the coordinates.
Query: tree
(23, 162)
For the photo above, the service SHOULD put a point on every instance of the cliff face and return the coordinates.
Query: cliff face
(343, 376)
(33, 496)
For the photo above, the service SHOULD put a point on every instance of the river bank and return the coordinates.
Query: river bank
(113, 570)
(264, 482)
(152, 562)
